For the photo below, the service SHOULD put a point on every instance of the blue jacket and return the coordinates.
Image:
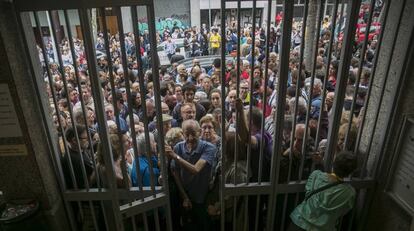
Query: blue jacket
(144, 171)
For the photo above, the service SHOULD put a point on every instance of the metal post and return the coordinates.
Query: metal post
(161, 141)
(281, 90)
(135, 27)
(325, 82)
(25, 29)
(361, 61)
(209, 15)
(315, 56)
(352, 18)
(371, 81)
(223, 115)
(97, 93)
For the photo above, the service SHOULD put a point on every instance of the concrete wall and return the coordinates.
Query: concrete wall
(384, 213)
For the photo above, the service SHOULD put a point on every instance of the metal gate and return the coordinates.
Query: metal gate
(109, 202)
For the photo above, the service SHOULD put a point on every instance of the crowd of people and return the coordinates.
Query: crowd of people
(191, 118)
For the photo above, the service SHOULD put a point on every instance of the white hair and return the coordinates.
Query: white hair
(201, 95)
(316, 82)
(136, 120)
(302, 106)
(142, 144)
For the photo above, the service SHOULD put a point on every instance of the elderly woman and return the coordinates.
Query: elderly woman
(148, 161)
(119, 148)
(208, 127)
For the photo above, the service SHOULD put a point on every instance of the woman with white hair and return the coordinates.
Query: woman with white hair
(148, 162)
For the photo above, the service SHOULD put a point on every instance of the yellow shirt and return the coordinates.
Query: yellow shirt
(215, 41)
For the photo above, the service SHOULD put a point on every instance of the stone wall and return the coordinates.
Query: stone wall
(396, 67)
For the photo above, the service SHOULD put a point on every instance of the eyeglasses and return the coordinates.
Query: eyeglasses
(207, 127)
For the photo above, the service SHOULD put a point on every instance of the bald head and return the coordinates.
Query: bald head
(191, 125)
(164, 108)
(299, 130)
(191, 132)
(329, 99)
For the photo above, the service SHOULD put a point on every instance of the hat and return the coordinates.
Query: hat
(316, 103)
(165, 118)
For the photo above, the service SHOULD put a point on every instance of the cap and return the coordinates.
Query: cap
(165, 118)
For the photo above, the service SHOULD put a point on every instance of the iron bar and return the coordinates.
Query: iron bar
(238, 48)
(61, 71)
(114, 96)
(252, 61)
(113, 91)
(61, 67)
(363, 172)
(315, 57)
(264, 99)
(234, 213)
(143, 104)
(53, 91)
(144, 215)
(341, 82)
(325, 82)
(155, 72)
(98, 98)
(341, 20)
(135, 27)
(223, 110)
(298, 87)
(281, 90)
(375, 60)
(236, 144)
(237, 89)
(139, 206)
(157, 219)
(397, 98)
(134, 225)
(92, 208)
(75, 66)
(24, 20)
(360, 66)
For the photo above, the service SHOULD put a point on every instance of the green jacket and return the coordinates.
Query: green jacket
(322, 210)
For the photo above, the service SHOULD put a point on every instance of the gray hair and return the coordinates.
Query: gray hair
(201, 95)
(302, 106)
(191, 123)
(316, 82)
(142, 144)
(136, 120)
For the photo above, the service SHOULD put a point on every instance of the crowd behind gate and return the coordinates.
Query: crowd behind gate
(191, 118)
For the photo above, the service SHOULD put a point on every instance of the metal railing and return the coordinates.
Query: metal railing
(97, 187)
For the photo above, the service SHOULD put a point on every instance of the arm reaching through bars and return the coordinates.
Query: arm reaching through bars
(241, 124)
